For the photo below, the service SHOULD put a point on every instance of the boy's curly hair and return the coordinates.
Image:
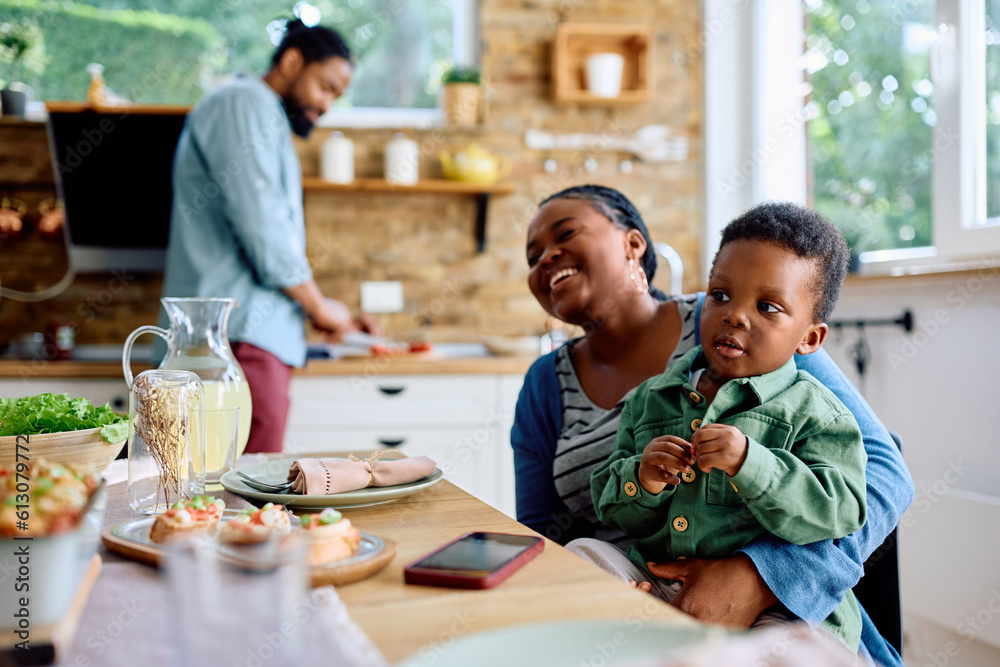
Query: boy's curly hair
(803, 232)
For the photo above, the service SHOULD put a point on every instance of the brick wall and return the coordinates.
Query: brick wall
(427, 241)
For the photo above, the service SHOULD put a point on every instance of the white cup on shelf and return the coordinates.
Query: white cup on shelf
(604, 74)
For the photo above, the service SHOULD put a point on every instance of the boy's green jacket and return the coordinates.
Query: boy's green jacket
(802, 481)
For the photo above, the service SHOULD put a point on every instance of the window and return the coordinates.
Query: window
(969, 53)
(904, 126)
(883, 115)
(172, 51)
(403, 48)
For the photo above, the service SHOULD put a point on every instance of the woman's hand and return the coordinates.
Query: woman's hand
(661, 460)
(727, 591)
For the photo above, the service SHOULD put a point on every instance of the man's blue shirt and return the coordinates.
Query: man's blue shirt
(237, 228)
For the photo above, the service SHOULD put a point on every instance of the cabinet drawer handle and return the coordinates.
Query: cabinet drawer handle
(391, 391)
(391, 443)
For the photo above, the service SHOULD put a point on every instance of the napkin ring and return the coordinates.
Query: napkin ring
(371, 465)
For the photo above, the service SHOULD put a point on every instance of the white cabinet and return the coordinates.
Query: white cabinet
(460, 421)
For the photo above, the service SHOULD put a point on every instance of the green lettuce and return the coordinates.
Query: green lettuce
(56, 413)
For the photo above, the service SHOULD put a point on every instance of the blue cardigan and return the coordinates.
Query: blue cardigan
(835, 565)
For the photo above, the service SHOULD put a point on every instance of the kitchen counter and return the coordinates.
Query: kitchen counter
(352, 366)
(30, 369)
(370, 366)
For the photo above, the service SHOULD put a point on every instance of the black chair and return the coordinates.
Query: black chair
(878, 590)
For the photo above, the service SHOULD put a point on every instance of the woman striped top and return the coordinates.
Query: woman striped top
(587, 437)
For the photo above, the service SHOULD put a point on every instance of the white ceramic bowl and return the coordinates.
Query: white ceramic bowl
(513, 346)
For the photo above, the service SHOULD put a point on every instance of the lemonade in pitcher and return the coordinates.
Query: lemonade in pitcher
(197, 341)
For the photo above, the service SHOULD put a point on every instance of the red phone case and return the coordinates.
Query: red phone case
(414, 575)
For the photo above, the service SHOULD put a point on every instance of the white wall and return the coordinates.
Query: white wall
(938, 387)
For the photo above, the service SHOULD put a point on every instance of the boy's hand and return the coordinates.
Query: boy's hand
(661, 460)
(720, 446)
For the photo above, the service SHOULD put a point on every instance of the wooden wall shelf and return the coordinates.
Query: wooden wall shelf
(427, 186)
(481, 192)
(574, 42)
(80, 107)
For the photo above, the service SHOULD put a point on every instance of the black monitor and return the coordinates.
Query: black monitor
(113, 171)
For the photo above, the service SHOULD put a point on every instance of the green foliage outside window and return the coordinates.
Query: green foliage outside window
(22, 48)
(401, 47)
(148, 57)
(872, 130)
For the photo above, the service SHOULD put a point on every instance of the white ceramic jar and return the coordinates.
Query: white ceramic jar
(604, 74)
(337, 159)
(402, 160)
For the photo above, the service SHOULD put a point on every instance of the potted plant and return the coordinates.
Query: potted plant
(21, 44)
(461, 96)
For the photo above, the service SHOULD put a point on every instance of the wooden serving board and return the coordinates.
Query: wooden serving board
(48, 642)
(335, 574)
(351, 572)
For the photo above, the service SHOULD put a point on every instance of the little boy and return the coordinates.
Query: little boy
(731, 442)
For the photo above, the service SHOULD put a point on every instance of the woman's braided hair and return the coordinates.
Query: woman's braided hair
(617, 208)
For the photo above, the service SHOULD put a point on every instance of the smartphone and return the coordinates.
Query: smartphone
(474, 560)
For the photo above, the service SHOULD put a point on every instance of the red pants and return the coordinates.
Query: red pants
(268, 378)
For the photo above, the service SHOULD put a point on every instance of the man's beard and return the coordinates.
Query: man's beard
(301, 125)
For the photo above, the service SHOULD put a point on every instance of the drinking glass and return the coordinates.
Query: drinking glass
(221, 443)
(236, 605)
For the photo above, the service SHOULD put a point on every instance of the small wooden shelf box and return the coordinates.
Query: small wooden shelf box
(575, 42)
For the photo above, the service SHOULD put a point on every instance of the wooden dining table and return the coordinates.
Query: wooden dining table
(403, 619)
(124, 621)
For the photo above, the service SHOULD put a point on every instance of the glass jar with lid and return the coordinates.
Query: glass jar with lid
(166, 451)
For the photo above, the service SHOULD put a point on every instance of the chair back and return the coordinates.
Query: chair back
(878, 590)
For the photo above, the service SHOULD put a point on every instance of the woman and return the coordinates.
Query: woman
(590, 260)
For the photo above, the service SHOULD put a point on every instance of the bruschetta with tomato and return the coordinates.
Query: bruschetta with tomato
(329, 537)
(254, 525)
(187, 518)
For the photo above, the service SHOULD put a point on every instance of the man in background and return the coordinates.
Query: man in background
(237, 228)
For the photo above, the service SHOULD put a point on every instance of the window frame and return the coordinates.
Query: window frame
(466, 50)
(961, 228)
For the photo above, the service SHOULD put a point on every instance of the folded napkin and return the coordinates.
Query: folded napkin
(319, 477)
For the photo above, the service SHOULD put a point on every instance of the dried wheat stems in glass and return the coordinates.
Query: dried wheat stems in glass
(165, 453)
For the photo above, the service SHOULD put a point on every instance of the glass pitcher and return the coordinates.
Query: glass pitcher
(197, 341)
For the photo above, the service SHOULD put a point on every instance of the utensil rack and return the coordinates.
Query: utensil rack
(905, 321)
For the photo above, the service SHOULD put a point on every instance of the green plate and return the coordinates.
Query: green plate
(635, 642)
(276, 472)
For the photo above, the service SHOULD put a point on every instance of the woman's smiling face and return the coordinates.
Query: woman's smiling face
(576, 259)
